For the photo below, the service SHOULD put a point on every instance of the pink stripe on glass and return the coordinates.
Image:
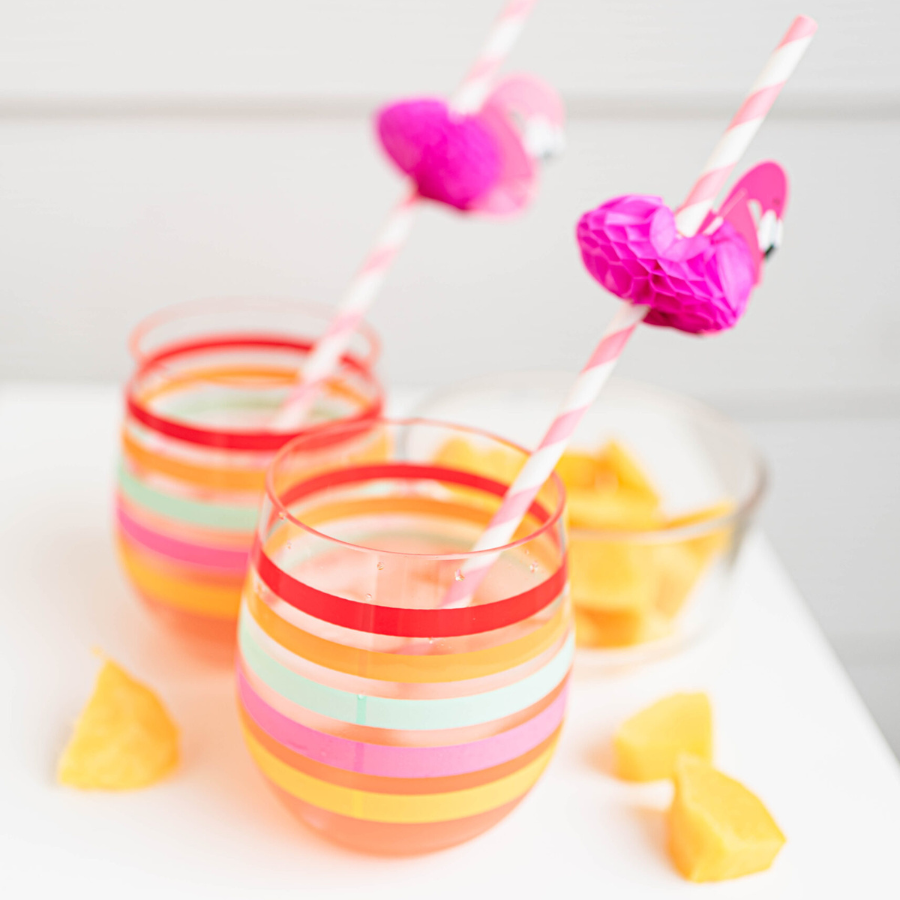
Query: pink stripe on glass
(231, 561)
(401, 762)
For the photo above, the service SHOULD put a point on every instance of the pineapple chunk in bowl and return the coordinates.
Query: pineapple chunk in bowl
(661, 490)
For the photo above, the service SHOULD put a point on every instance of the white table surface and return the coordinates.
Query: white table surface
(788, 724)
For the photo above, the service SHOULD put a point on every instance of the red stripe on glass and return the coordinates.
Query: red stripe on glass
(403, 471)
(232, 440)
(400, 622)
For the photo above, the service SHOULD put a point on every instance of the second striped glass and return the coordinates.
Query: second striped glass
(196, 441)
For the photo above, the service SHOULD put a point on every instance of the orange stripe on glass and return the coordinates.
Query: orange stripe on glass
(387, 837)
(369, 506)
(403, 668)
(379, 807)
(181, 587)
(225, 479)
(231, 375)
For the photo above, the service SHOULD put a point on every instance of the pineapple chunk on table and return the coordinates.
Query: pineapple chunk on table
(648, 744)
(717, 828)
(124, 738)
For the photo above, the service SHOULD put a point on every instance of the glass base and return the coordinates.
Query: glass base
(204, 637)
(389, 838)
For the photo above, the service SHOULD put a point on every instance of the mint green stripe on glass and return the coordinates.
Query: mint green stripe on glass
(194, 512)
(407, 715)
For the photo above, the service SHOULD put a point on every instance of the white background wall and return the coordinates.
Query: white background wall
(161, 151)
(155, 152)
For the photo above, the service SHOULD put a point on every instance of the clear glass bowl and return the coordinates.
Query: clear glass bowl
(638, 594)
(385, 717)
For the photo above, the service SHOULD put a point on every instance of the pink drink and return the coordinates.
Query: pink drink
(384, 721)
(196, 441)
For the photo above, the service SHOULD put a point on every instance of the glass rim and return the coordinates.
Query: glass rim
(273, 496)
(186, 309)
(258, 440)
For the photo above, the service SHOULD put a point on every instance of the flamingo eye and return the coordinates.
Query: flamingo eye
(769, 233)
(543, 140)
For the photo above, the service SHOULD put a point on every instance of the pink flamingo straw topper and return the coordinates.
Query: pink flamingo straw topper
(692, 270)
(476, 154)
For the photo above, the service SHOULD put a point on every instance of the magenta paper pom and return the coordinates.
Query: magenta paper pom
(453, 158)
(698, 284)
(484, 162)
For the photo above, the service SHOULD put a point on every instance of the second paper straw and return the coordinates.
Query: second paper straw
(594, 375)
(541, 463)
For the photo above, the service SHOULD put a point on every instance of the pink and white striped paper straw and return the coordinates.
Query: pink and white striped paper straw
(325, 355)
(542, 462)
(363, 289)
(744, 125)
(594, 375)
(473, 91)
